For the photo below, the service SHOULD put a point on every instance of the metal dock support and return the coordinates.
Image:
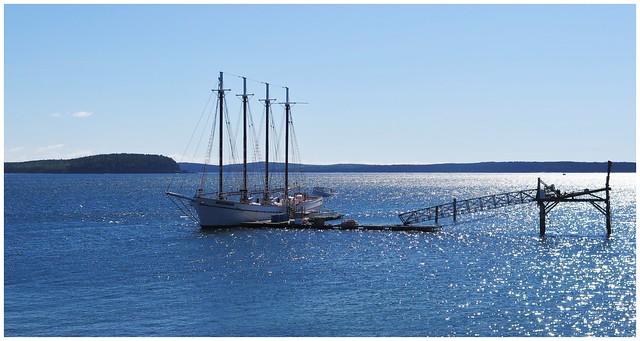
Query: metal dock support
(549, 197)
(546, 196)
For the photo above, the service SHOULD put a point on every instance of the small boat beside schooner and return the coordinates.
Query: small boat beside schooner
(233, 208)
(323, 191)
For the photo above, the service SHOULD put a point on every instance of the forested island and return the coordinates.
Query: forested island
(98, 164)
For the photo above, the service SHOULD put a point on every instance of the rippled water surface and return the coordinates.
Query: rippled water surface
(109, 255)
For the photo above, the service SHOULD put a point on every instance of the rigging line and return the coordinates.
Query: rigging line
(256, 139)
(210, 144)
(239, 121)
(273, 144)
(191, 139)
(277, 140)
(253, 135)
(295, 157)
(230, 135)
(296, 177)
(250, 136)
(255, 144)
(301, 175)
(252, 172)
(260, 129)
(202, 134)
(236, 134)
(254, 80)
(282, 128)
(244, 77)
(187, 210)
(294, 141)
(207, 159)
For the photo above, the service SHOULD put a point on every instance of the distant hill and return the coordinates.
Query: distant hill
(97, 164)
(480, 167)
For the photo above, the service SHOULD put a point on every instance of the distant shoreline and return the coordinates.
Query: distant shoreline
(153, 164)
(479, 167)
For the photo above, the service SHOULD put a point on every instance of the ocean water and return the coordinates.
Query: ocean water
(110, 255)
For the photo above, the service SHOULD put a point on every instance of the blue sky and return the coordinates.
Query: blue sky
(385, 84)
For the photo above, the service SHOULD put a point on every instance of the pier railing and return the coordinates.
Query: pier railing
(458, 207)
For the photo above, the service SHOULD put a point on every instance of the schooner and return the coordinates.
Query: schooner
(229, 209)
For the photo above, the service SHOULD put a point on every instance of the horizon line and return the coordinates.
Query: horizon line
(337, 163)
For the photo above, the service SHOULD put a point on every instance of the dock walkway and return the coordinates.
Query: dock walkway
(458, 207)
(305, 225)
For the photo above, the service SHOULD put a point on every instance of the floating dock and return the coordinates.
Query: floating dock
(306, 225)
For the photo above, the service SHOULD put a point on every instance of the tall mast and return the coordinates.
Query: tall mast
(287, 110)
(220, 99)
(243, 197)
(267, 104)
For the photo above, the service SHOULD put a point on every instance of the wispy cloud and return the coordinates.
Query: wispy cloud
(54, 151)
(77, 114)
(15, 154)
(77, 153)
(16, 149)
(49, 148)
(82, 114)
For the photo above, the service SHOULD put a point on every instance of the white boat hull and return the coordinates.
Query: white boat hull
(323, 191)
(310, 204)
(221, 213)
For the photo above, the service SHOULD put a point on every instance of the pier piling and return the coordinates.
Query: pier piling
(548, 197)
(455, 210)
